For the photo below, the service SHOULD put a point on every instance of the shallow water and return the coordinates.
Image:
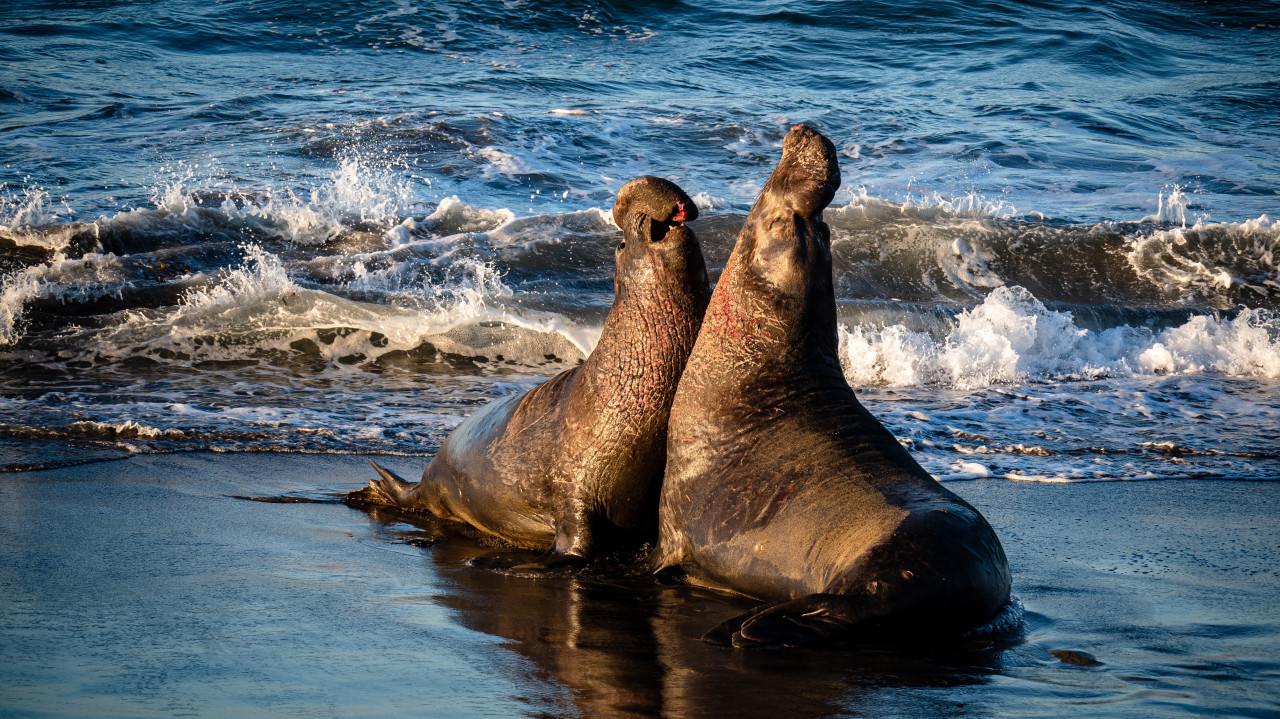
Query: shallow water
(143, 588)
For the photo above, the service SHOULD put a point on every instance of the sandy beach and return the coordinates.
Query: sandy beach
(142, 587)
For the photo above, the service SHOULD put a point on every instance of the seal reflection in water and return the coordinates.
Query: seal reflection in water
(613, 645)
(779, 484)
(576, 463)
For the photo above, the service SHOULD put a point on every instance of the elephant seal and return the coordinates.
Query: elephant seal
(779, 484)
(576, 463)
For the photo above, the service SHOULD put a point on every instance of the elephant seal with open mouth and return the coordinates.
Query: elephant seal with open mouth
(574, 465)
(779, 484)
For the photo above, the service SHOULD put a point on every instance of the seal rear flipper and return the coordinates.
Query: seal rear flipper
(387, 491)
(796, 623)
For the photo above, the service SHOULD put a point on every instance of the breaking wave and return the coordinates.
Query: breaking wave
(350, 314)
(1012, 337)
(953, 252)
(256, 310)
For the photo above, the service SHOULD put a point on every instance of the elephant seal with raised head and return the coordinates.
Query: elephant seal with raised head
(575, 465)
(779, 484)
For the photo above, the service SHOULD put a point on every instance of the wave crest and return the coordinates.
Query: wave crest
(1012, 337)
(959, 250)
(1206, 261)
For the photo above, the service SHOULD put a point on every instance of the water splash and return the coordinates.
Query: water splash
(1248, 345)
(30, 216)
(464, 289)
(356, 195)
(1171, 209)
(16, 290)
(27, 207)
(1012, 337)
(971, 204)
(453, 217)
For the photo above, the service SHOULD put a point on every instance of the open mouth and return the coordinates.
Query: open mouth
(660, 230)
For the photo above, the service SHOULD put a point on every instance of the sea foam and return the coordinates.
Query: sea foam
(1012, 337)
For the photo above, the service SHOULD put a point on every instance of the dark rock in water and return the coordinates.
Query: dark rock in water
(306, 346)
(1075, 658)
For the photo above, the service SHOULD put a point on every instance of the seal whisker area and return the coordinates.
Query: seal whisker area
(573, 467)
(779, 484)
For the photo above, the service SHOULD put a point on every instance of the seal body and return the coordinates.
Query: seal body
(779, 484)
(575, 464)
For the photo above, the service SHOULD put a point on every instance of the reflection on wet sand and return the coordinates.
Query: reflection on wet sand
(627, 646)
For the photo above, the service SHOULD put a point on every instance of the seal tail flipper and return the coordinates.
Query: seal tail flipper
(386, 474)
(387, 491)
(797, 623)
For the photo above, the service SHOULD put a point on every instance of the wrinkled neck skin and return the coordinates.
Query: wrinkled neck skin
(660, 295)
(770, 329)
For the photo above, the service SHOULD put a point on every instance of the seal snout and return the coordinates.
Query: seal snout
(657, 198)
(652, 208)
(809, 173)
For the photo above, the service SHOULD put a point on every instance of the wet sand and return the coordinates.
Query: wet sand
(142, 588)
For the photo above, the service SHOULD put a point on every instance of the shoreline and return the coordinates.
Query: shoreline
(945, 479)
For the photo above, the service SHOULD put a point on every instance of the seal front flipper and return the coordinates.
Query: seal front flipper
(723, 633)
(572, 549)
(521, 564)
(796, 623)
(387, 491)
(575, 528)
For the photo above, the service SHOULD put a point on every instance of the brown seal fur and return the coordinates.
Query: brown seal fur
(779, 484)
(575, 464)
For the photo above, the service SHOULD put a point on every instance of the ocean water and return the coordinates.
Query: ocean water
(339, 227)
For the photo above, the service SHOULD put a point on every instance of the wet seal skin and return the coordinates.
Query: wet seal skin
(575, 465)
(779, 484)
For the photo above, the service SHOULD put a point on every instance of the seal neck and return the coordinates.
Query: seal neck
(648, 335)
(752, 331)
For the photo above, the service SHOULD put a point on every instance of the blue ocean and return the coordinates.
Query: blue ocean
(337, 228)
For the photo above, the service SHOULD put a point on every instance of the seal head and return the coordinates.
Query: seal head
(787, 240)
(652, 213)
